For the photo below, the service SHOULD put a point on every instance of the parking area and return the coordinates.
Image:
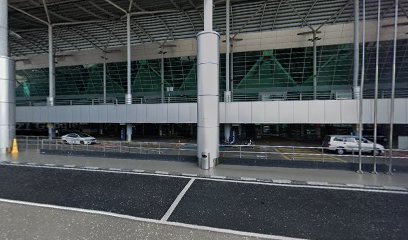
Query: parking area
(275, 209)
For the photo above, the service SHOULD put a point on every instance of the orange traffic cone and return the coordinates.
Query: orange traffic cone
(14, 148)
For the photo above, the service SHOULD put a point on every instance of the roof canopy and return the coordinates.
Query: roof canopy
(101, 24)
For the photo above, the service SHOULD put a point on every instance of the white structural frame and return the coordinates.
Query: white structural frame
(7, 85)
(208, 91)
(394, 70)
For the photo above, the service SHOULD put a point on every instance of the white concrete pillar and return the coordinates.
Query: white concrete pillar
(128, 97)
(208, 55)
(129, 131)
(227, 132)
(7, 85)
(356, 88)
(51, 80)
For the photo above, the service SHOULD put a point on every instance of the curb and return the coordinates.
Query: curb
(282, 182)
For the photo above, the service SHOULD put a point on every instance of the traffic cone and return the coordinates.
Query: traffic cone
(14, 148)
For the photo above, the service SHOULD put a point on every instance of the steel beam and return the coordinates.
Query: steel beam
(128, 99)
(377, 59)
(356, 90)
(360, 109)
(394, 69)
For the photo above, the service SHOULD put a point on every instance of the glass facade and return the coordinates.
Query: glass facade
(287, 73)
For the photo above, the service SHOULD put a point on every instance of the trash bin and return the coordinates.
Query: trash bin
(204, 161)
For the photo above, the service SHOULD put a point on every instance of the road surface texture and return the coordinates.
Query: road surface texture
(296, 211)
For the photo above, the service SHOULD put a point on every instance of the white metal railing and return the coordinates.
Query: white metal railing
(237, 97)
(266, 152)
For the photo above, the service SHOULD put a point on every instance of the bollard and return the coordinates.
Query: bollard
(322, 154)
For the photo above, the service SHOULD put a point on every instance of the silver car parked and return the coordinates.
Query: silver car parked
(78, 138)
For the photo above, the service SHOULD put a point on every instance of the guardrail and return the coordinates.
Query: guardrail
(291, 153)
(237, 97)
(235, 153)
(180, 149)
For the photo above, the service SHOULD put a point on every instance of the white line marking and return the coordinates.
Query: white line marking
(280, 183)
(138, 170)
(91, 167)
(318, 183)
(176, 224)
(69, 166)
(395, 188)
(31, 163)
(177, 201)
(218, 177)
(162, 172)
(189, 174)
(50, 165)
(248, 179)
(115, 169)
(355, 185)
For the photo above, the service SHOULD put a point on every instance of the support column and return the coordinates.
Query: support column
(227, 93)
(394, 69)
(162, 74)
(377, 59)
(51, 80)
(356, 88)
(360, 108)
(314, 40)
(7, 85)
(208, 91)
(128, 97)
(104, 78)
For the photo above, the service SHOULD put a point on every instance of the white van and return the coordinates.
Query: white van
(347, 143)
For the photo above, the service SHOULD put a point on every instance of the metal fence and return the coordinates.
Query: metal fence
(235, 153)
(160, 148)
(264, 152)
(237, 97)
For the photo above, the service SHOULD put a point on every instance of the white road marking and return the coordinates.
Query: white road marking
(395, 188)
(115, 169)
(281, 183)
(355, 185)
(91, 167)
(177, 201)
(218, 177)
(248, 179)
(69, 166)
(162, 172)
(138, 170)
(50, 165)
(176, 224)
(189, 174)
(318, 183)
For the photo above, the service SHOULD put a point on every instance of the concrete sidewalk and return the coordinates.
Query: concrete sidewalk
(297, 174)
(33, 222)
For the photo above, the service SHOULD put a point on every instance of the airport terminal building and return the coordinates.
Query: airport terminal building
(215, 71)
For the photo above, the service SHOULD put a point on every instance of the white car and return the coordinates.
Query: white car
(78, 138)
(347, 143)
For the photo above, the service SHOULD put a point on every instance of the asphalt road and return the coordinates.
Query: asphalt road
(291, 211)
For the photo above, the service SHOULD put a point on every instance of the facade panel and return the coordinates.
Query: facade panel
(271, 112)
(332, 113)
(316, 111)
